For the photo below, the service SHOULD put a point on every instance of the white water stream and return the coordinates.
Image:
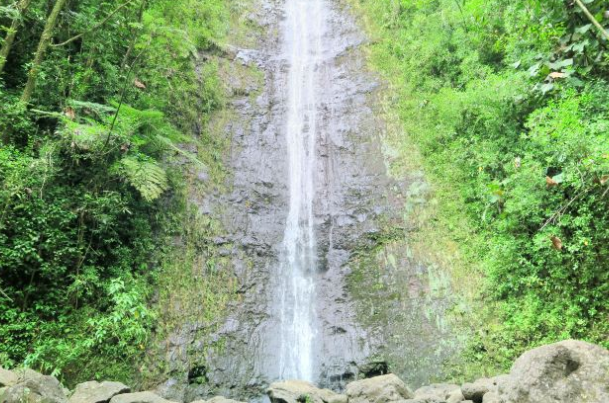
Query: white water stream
(298, 329)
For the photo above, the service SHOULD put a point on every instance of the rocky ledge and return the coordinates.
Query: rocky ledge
(566, 372)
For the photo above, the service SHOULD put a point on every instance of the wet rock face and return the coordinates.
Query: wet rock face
(352, 193)
(352, 186)
(349, 186)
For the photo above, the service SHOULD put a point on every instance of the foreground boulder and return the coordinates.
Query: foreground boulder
(7, 378)
(218, 399)
(566, 372)
(475, 391)
(139, 397)
(33, 387)
(492, 397)
(380, 389)
(96, 392)
(301, 392)
(439, 393)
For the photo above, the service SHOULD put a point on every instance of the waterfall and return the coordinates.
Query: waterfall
(298, 329)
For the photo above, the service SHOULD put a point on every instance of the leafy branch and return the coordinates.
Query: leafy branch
(95, 27)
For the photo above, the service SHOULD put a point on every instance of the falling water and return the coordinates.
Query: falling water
(298, 260)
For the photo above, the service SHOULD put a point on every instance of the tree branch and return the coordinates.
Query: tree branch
(592, 19)
(98, 25)
(561, 210)
(122, 98)
(5, 295)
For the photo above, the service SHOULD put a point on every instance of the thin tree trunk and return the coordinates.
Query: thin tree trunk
(593, 20)
(133, 36)
(12, 33)
(43, 44)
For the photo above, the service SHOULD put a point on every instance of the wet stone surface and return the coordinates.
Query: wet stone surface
(350, 185)
(353, 194)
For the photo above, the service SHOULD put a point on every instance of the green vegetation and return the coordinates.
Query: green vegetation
(508, 103)
(97, 100)
(105, 126)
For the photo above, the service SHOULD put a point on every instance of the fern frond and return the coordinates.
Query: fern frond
(85, 107)
(189, 156)
(83, 136)
(146, 176)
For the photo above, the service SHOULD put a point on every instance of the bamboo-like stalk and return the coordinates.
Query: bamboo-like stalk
(592, 19)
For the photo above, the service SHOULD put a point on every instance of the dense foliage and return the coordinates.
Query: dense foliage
(507, 100)
(95, 97)
(509, 103)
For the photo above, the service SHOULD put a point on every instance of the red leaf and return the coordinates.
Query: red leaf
(556, 242)
(70, 113)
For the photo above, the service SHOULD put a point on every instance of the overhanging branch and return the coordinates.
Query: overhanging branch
(98, 25)
(592, 19)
